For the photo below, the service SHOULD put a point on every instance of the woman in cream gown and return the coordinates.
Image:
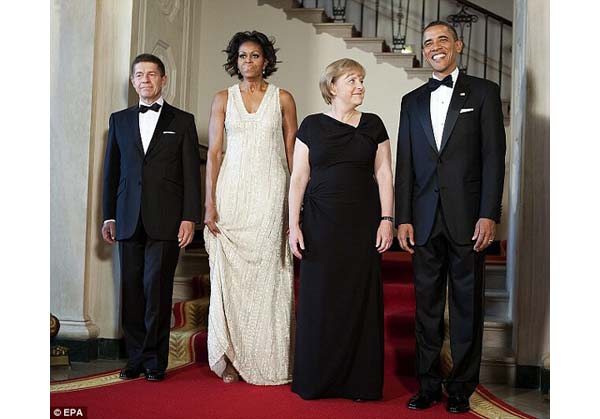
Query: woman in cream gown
(251, 319)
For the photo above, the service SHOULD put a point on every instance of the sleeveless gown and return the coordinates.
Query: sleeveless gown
(251, 273)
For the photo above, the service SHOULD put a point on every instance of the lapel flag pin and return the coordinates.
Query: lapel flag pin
(462, 93)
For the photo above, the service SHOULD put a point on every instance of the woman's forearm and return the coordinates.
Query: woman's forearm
(297, 188)
(213, 165)
(386, 193)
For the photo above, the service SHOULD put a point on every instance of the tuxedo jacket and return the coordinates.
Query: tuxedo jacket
(162, 185)
(466, 176)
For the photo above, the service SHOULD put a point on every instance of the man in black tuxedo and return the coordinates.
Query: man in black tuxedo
(449, 180)
(151, 202)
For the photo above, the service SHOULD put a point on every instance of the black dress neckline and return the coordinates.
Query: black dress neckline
(344, 123)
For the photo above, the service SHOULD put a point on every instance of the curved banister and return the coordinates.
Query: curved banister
(485, 12)
(396, 12)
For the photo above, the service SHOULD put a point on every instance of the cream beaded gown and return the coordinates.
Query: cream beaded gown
(251, 303)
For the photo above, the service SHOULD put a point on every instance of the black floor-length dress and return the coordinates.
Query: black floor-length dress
(339, 332)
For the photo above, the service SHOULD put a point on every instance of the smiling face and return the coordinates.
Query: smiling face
(251, 60)
(349, 89)
(147, 81)
(441, 49)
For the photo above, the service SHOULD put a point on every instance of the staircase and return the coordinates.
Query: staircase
(191, 297)
(498, 362)
(353, 38)
(189, 329)
(399, 314)
(348, 32)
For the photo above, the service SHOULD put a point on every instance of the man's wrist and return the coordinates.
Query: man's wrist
(108, 221)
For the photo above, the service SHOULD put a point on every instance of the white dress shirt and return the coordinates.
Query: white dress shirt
(148, 122)
(438, 107)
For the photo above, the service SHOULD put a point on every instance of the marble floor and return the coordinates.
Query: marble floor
(81, 369)
(529, 401)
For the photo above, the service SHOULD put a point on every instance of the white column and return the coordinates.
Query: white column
(90, 58)
(112, 63)
(528, 264)
(72, 32)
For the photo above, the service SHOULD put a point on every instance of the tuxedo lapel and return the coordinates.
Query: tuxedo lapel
(459, 95)
(424, 112)
(134, 128)
(164, 120)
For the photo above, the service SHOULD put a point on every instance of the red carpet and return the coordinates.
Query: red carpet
(195, 392)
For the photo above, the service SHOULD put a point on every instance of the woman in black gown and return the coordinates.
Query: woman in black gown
(342, 176)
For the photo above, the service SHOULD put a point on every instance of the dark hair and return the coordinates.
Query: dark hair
(148, 58)
(266, 44)
(442, 23)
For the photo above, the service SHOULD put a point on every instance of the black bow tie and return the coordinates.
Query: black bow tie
(433, 84)
(154, 107)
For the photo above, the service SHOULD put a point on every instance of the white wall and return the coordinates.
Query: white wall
(72, 58)
(529, 244)
(502, 8)
(304, 55)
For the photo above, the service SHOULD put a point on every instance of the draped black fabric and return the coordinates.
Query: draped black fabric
(339, 335)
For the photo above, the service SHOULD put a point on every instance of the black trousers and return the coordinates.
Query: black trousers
(147, 270)
(439, 263)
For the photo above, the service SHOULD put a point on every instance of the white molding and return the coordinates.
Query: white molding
(170, 8)
(142, 19)
(164, 51)
(185, 54)
(77, 330)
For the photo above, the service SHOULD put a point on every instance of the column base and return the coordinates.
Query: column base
(77, 329)
(80, 337)
(79, 350)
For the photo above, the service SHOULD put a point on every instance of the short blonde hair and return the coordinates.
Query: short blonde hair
(334, 71)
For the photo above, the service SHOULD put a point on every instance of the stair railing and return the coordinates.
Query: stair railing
(398, 13)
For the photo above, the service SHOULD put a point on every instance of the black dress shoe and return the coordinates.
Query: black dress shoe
(423, 400)
(154, 375)
(458, 404)
(129, 373)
